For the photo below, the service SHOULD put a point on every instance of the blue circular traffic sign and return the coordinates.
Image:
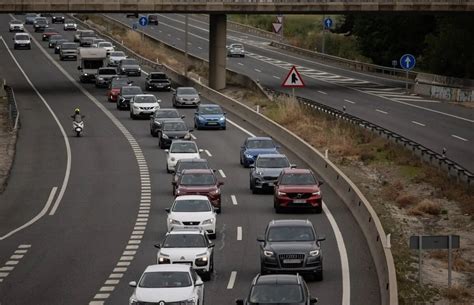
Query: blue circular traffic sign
(143, 21)
(407, 61)
(328, 23)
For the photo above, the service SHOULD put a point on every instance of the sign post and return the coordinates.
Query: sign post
(407, 62)
(435, 242)
(327, 24)
(278, 26)
(293, 80)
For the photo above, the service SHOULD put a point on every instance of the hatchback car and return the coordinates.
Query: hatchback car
(143, 105)
(186, 96)
(189, 246)
(40, 24)
(172, 130)
(236, 49)
(157, 81)
(16, 26)
(52, 40)
(297, 189)
(70, 25)
(192, 211)
(282, 289)
(254, 146)
(114, 88)
(108, 46)
(104, 76)
(115, 57)
(200, 182)
(183, 164)
(68, 50)
(58, 19)
(126, 94)
(129, 67)
(209, 116)
(181, 150)
(156, 120)
(46, 35)
(168, 284)
(264, 173)
(291, 246)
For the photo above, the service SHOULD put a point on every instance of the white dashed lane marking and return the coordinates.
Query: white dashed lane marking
(277, 77)
(208, 153)
(322, 92)
(234, 199)
(418, 123)
(221, 172)
(13, 261)
(240, 64)
(381, 111)
(193, 136)
(257, 70)
(231, 283)
(349, 101)
(239, 233)
(459, 138)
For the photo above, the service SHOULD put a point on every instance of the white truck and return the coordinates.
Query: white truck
(90, 59)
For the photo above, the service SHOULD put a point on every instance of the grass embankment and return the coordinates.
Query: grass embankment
(305, 31)
(409, 196)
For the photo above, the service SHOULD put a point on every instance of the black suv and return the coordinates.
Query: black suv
(57, 19)
(153, 19)
(172, 129)
(126, 94)
(161, 115)
(278, 289)
(158, 81)
(291, 246)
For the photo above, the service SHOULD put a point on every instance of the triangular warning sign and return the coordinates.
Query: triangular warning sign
(276, 27)
(293, 79)
(279, 19)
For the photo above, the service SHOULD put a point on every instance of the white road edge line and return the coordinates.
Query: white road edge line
(221, 172)
(239, 233)
(381, 111)
(418, 123)
(231, 283)
(66, 140)
(349, 101)
(241, 128)
(460, 138)
(234, 199)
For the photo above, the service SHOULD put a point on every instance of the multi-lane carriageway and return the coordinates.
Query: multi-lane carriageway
(80, 216)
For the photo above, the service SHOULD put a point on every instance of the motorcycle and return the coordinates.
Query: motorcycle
(78, 127)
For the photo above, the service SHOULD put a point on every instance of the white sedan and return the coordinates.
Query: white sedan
(115, 57)
(181, 150)
(192, 211)
(108, 46)
(143, 104)
(168, 284)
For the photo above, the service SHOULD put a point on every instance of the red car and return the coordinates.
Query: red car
(114, 88)
(46, 35)
(200, 182)
(297, 188)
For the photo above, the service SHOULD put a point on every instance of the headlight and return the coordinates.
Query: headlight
(281, 193)
(163, 259)
(208, 221)
(166, 137)
(139, 69)
(222, 119)
(134, 302)
(100, 78)
(174, 222)
(259, 173)
(316, 193)
(314, 253)
(202, 256)
(249, 156)
(268, 253)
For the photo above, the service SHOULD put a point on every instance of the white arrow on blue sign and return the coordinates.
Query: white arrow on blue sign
(327, 23)
(143, 20)
(407, 61)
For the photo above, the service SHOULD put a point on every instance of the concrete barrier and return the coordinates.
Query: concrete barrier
(444, 87)
(334, 177)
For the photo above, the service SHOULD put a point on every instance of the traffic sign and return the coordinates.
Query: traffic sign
(407, 61)
(277, 27)
(328, 23)
(279, 19)
(293, 79)
(143, 21)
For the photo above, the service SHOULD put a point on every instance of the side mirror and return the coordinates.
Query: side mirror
(252, 166)
(201, 150)
(167, 210)
(320, 182)
(313, 301)
(211, 246)
(220, 183)
(277, 146)
(167, 151)
(79, 68)
(199, 282)
(260, 238)
(158, 246)
(321, 238)
(293, 165)
(183, 116)
(173, 182)
(225, 113)
(239, 302)
(132, 284)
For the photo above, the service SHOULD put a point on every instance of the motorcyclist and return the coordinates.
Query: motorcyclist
(77, 116)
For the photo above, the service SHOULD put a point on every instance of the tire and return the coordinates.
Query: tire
(206, 276)
(241, 162)
(277, 209)
(213, 236)
(219, 210)
(318, 210)
(159, 142)
(167, 169)
(318, 276)
(118, 107)
(132, 116)
(224, 127)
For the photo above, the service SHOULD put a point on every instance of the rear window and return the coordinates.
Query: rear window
(277, 162)
(22, 37)
(198, 179)
(131, 90)
(166, 114)
(191, 165)
(158, 76)
(107, 71)
(297, 179)
(255, 144)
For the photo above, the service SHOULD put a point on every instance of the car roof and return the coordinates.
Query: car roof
(297, 171)
(173, 120)
(185, 88)
(276, 279)
(209, 105)
(131, 87)
(144, 94)
(168, 267)
(198, 171)
(177, 230)
(258, 138)
(182, 141)
(191, 197)
(290, 222)
(193, 161)
(272, 156)
(161, 73)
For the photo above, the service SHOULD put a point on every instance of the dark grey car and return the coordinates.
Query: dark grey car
(104, 76)
(161, 115)
(186, 96)
(265, 171)
(68, 50)
(129, 67)
(157, 81)
(126, 93)
(291, 246)
(172, 129)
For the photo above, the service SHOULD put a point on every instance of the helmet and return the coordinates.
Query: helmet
(77, 111)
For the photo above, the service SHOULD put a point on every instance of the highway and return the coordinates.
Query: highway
(102, 229)
(376, 99)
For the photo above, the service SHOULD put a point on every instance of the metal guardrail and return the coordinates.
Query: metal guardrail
(13, 113)
(452, 168)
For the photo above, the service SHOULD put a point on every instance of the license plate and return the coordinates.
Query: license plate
(270, 184)
(291, 261)
(299, 201)
(212, 123)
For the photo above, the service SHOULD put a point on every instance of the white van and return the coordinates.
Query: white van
(22, 41)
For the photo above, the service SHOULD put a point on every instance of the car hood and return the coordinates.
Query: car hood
(187, 96)
(197, 188)
(274, 172)
(164, 80)
(116, 58)
(164, 294)
(257, 151)
(292, 247)
(130, 66)
(191, 216)
(147, 105)
(189, 254)
(211, 116)
(107, 75)
(172, 134)
(298, 188)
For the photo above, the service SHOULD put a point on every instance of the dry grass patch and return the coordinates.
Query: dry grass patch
(459, 263)
(456, 293)
(405, 200)
(425, 207)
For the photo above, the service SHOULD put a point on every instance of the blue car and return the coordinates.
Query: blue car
(254, 146)
(209, 116)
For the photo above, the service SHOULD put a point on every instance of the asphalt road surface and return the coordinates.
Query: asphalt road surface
(72, 256)
(379, 100)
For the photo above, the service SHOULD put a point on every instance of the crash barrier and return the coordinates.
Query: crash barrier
(350, 194)
(13, 113)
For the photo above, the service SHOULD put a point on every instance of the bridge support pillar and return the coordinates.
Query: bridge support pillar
(217, 51)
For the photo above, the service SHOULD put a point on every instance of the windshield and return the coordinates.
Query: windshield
(128, 62)
(294, 233)
(117, 54)
(237, 46)
(131, 90)
(189, 205)
(87, 34)
(184, 241)
(69, 22)
(174, 126)
(276, 294)
(298, 179)
(55, 37)
(183, 148)
(145, 99)
(16, 22)
(187, 91)
(119, 83)
(272, 163)
(210, 110)
(263, 144)
(107, 71)
(92, 64)
(166, 114)
(69, 46)
(104, 44)
(198, 179)
(22, 37)
(191, 165)
(158, 76)
(165, 279)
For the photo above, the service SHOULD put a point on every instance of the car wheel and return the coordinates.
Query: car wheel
(277, 209)
(213, 236)
(224, 127)
(318, 210)
(206, 276)
(318, 276)
(118, 107)
(167, 169)
(132, 116)
(159, 142)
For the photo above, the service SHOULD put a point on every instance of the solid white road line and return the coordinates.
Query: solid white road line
(239, 233)
(208, 153)
(460, 138)
(234, 199)
(277, 77)
(241, 128)
(257, 70)
(381, 111)
(193, 136)
(66, 140)
(221, 172)
(231, 283)
(322, 92)
(418, 123)
(40, 214)
(349, 101)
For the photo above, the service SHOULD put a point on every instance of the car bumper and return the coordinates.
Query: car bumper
(22, 46)
(309, 203)
(187, 103)
(70, 56)
(16, 30)
(131, 73)
(210, 228)
(159, 86)
(143, 112)
(303, 270)
(211, 124)
(70, 28)
(265, 184)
